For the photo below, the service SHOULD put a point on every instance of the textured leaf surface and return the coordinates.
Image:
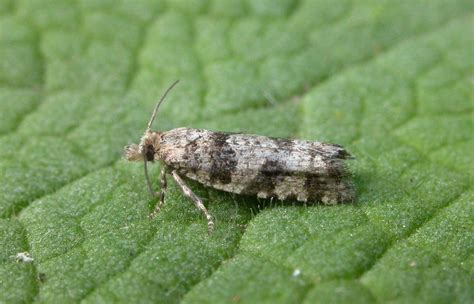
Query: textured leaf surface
(390, 80)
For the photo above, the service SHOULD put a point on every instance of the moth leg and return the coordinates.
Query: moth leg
(163, 187)
(196, 200)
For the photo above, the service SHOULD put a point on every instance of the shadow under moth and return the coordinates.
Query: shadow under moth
(246, 164)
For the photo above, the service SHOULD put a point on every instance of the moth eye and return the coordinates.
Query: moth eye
(150, 153)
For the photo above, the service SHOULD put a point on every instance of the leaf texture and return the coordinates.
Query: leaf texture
(389, 80)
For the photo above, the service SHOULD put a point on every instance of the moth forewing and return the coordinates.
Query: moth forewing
(257, 165)
(247, 164)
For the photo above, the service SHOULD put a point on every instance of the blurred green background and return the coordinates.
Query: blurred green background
(390, 80)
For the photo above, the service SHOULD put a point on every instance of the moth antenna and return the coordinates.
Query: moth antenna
(147, 177)
(159, 103)
(148, 182)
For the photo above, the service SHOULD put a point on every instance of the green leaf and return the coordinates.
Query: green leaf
(389, 80)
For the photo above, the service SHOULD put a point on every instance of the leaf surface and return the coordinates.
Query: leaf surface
(389, 80)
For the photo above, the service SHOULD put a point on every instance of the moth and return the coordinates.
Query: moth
(246, 164)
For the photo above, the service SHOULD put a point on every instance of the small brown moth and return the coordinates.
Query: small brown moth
(285, 169)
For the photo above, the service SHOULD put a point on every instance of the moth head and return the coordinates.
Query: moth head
(148, 151)
(145, 151)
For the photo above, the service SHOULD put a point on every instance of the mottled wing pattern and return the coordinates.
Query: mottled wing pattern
(286, 169)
